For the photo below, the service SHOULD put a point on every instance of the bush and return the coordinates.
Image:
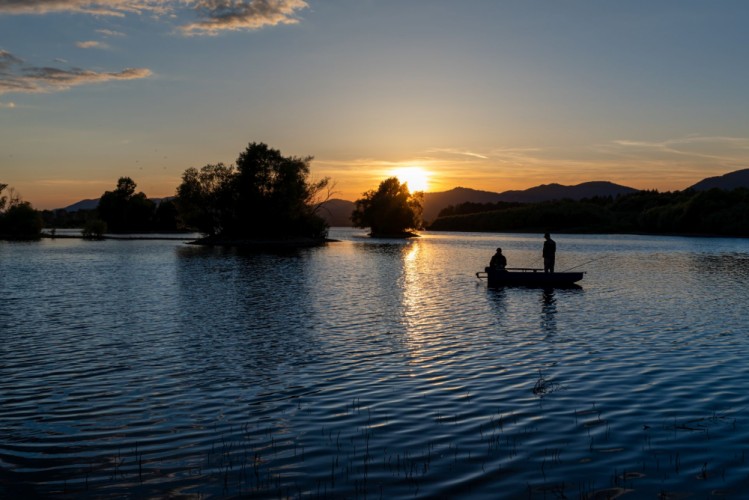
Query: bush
(21, 221)
(94, 229)
(391, 210)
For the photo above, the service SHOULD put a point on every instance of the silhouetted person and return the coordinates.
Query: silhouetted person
(549, 252)
(499, 261)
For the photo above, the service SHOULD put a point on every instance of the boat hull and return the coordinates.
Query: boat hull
(532, 278)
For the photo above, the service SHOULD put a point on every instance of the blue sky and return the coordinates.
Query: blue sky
(491, 95)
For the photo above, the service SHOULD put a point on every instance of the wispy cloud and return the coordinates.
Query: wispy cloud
(235, 15)
(17, 77)
(91, 44)
(99, 8)
(458, 152)
(213, 16)
(7, 60)
(721, 150)
(112, 33)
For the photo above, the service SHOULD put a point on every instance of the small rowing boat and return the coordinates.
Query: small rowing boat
(531, 277)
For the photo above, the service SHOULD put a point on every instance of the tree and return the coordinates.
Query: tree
(94, 229)
(205, 198)
(165, 217)
(275, 196)
(267, 195)
(3, 198)
(18, 219)
(124, 210)
(391, 210)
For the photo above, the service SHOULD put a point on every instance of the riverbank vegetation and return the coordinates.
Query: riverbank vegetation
(390, 211)
(125, 211)
(711, 212)
(265, 198)
(18, 219)
(121, 210)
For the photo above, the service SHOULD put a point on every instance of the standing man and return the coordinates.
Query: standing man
(549, 252)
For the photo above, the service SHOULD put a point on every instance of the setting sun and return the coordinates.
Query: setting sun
(416, 177)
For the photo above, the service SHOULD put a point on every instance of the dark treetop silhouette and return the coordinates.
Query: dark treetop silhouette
(18, 220)
(390, 211)
(711, 212)
(266, 196)
(124, 210)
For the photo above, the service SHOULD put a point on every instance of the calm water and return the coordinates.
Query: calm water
(373, 368)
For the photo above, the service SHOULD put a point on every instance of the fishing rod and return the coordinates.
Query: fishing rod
(588, 262)
(535, 261)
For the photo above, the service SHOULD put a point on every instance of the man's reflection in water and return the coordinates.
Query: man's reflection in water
(497, 297)
(548, 312)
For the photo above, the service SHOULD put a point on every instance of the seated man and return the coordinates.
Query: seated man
(499, 261)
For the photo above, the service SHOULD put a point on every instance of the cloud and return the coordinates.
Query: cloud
(91, 44)
(106, 32)
(17, 77)
(214, 16)
(458, 152)
(725, 150)
(236, 15)
(7, 60)
(99, 8)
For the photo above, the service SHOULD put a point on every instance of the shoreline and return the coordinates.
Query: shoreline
(263, 243)
(189, 238)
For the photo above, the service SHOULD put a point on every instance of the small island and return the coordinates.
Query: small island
(265, 200)
(390, 212)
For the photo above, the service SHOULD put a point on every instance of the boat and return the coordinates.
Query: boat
(530, 277)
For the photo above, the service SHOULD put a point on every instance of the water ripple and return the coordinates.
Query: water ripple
(372, 368)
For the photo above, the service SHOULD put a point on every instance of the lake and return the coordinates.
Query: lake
(373, 368)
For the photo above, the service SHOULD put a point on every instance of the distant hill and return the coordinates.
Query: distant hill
(729, 181)
(337, 213)
(92, 204)
(435, 202)
(82, 205)
(548, 192)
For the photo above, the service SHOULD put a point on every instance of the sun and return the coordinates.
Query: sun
(416, 177)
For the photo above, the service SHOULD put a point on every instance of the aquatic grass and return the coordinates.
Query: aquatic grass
(543, 386)
(264, 459)
(352, 454)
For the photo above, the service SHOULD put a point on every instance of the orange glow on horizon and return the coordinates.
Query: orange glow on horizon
(416, 177)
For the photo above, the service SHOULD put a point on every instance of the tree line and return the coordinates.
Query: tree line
(265, 195)
(711, 212)
(18, 219)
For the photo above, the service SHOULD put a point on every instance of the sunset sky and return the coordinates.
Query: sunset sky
(486, 94)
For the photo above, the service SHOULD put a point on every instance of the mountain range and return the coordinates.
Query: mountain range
(731, 180)
(92, 204)
(337, 212)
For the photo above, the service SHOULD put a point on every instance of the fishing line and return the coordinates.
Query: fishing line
(535, 261)
(588, 262)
